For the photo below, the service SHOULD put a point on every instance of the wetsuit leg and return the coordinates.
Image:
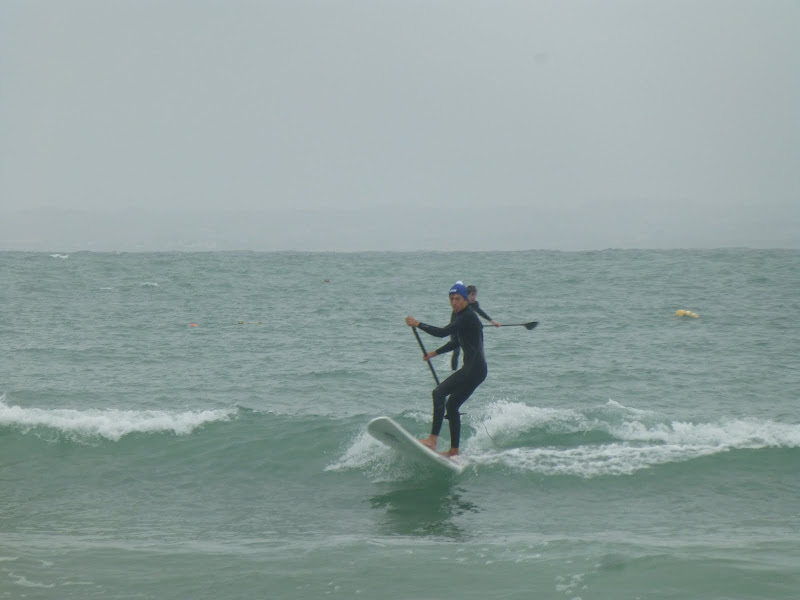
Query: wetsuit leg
(440, 394)
(459, 386)
(454, 402)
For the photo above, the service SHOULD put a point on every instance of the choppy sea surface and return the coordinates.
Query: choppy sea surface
(192, 425)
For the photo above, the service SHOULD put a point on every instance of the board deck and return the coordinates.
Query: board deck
(390, 433)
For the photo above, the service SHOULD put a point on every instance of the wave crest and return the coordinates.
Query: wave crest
(109, 424)
(610, 440)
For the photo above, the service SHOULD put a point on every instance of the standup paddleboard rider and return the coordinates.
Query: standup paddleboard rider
(472, 298)
(467, 332)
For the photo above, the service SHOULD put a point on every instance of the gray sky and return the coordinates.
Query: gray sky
(354, 125)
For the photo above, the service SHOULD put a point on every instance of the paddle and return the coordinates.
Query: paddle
(424, 352)
(527, 326)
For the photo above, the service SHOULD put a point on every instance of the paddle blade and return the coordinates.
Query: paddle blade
(531, 325)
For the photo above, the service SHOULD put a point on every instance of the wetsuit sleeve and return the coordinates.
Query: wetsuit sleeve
(448, 347)
(438, 331)
(477, 308)
(442, 332)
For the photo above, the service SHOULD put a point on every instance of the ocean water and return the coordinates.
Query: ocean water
(192, 425)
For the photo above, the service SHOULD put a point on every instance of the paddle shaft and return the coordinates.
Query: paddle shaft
(424, 353)
(527, 326)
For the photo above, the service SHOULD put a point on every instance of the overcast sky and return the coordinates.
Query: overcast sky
(354, 125)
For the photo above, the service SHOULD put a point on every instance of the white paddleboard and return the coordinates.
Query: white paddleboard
(390, 433)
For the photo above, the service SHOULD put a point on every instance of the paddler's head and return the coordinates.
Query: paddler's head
(458, 296)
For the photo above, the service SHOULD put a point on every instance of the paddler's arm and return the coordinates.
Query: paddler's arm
(481, 312)
(435, 331)
(431, 329)
(451, 345)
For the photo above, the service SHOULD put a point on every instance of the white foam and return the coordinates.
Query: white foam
(506, 420)
(589, 461)
(358, 454)
(365, 453)
(638, 440)
(723, 435)
(110, 424)
(23, 581)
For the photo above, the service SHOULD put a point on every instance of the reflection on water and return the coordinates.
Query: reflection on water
(428, 509)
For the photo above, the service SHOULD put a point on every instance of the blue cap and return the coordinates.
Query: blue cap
(459, 288)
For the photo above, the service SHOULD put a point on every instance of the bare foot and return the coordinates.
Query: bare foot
(450, 453)
(430, 442)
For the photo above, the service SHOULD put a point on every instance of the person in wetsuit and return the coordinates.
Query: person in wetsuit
(467, 332)
(472, 298)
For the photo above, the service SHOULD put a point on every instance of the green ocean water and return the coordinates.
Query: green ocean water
(192, 425)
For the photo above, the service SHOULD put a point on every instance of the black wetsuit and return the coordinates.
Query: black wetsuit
(467, 332)
(476, 307)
